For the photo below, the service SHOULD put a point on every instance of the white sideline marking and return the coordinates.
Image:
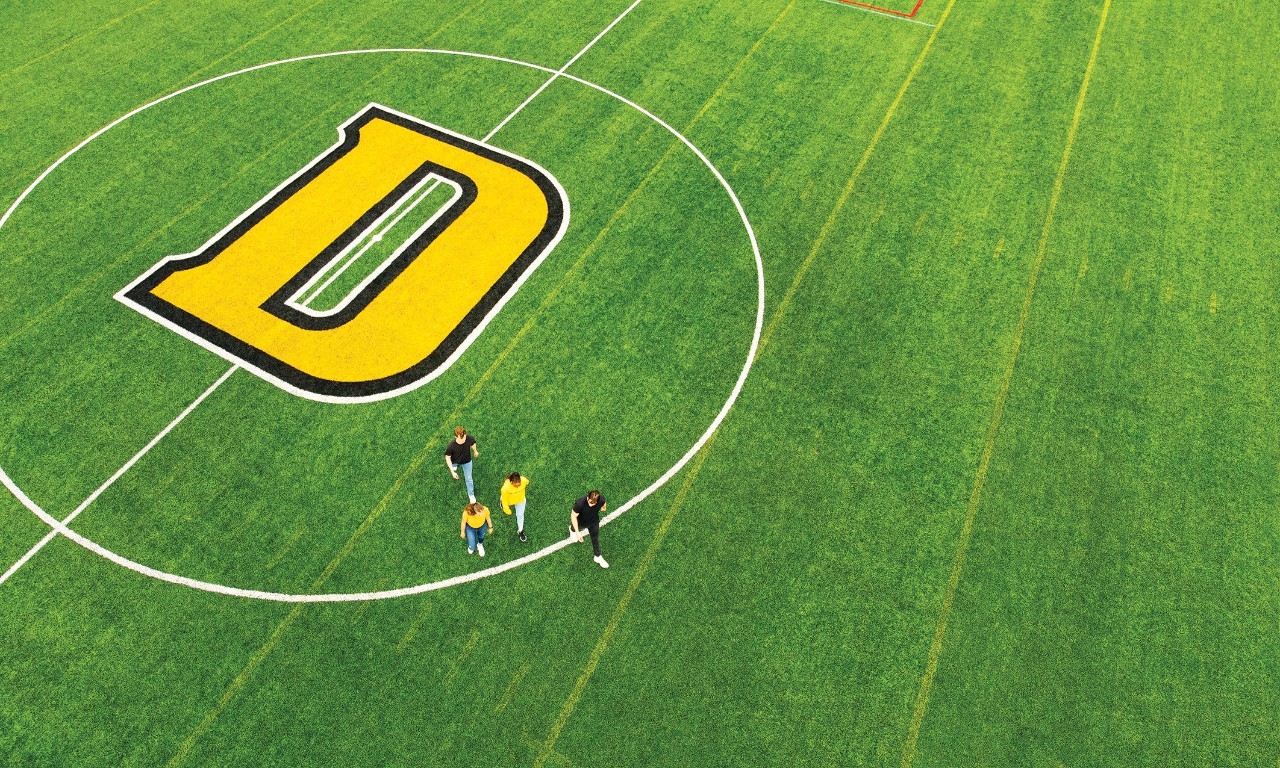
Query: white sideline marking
(60, 528)
(119, 472)
(881, 13)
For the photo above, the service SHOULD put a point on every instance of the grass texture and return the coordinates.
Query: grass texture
(1000, 489)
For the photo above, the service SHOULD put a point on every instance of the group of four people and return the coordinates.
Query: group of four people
(476, 521)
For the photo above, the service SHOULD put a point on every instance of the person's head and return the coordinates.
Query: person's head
(515, 479)
(593, 497)
(459, 433)
(473, 508)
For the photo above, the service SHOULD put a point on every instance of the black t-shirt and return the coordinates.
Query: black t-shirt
(588, 516)
(460, 453)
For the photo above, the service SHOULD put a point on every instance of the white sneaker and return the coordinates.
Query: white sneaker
(599, 560)
(473, 498)
(480, 548)
(471, 551)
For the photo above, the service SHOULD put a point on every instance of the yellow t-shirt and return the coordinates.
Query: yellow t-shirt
(512, 495)
(476, 521)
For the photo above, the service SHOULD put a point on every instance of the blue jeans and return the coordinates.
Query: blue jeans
(475, 536)
(465, 469)
(519, 508)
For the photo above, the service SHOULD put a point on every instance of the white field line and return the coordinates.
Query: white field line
(60, 528)
(561, 71)
(120, 472)
(432, 183)
(880, 13)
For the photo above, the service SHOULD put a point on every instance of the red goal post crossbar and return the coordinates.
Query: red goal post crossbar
(882, 9)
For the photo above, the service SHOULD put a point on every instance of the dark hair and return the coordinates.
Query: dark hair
(593, 497)
(514, 476)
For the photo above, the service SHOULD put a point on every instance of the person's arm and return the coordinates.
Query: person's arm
(475, 452)
(488, 519)
(449, 464)
(462, 527)
(573, 523)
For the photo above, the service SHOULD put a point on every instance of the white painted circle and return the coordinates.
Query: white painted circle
(334, 597)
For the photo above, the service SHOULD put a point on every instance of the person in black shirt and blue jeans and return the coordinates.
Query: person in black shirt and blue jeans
(586, 514)
(459, 452)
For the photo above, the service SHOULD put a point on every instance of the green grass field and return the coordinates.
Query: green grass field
(1001, 487)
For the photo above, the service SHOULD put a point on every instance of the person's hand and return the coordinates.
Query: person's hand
(455, 474)
(462, 535)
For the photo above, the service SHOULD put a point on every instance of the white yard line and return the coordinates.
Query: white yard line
(119, 473)
(880, 13)
(561, 71)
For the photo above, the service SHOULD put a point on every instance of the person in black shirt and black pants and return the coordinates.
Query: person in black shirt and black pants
(586, 514)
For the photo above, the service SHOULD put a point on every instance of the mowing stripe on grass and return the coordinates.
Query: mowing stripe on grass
(78, 38)
(988, 447)
(642, 568)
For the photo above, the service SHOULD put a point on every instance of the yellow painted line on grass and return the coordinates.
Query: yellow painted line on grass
(417, 461)
(821, 239)
(256, 660)
(414, 626)
(593, 661)
(988, 447)
(78, 38)
(547, 301)
(919, 223)
(287, 548)
(999, 248)
(256, 38)
(236, 684)
(642, 568)
(462, 657)
(1213, 303)
(510, 692)
(558, 758)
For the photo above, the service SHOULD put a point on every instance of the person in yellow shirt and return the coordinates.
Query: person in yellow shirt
(513, 489)
(475, 517)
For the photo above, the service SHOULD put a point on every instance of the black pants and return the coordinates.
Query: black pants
(594, 530)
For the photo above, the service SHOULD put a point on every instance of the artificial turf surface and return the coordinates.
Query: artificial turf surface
(1000, 488)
